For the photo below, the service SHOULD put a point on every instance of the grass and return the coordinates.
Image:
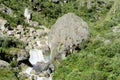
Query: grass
(6, 74)
(100, 59)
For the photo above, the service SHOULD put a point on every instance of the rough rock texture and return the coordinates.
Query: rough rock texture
(19, 54)
(40, 66)
(5, 9)
(59, 0)
(66, 34)
(22, 55)
(55, 0)
(27, 14)
(2, 24)
(4, 64)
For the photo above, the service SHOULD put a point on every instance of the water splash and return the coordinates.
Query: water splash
(36, 56)
(32, 76)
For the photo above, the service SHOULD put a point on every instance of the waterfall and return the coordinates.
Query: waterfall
(36, 56)
(33, 76)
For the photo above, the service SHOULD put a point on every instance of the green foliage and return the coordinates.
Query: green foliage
(8, 42)
(7, 74)
(91, 64)
(99, 60)
(17, 17)
(10, 74)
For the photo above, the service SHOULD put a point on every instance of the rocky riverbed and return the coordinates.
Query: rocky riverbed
(44, 46)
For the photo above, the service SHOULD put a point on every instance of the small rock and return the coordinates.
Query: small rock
(55, 1)
(2, 24)
(40, 32)
(116, 29)
(32, 30)
(20, 27)
(40, 66)
(5, 9)
(4, 64)
(33, 23)
(18, 36)
(24, 39)
(27, 14)
(9, 32)
(22, 55)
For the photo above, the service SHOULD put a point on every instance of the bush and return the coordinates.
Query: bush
(7, 74)
(8, 42)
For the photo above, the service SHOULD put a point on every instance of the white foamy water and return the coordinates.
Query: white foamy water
(36, 56)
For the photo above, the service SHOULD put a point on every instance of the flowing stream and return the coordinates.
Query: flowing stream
(36, 56)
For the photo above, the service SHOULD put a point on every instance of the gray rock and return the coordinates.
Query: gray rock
(27, 14)
(5, 9)
(9, 33)
(4, 64)
(66, 34)
(44, 74)
(18, 36)
(2, 24)
(33, 23)
(31, 30)
(24, 39)
(116, 29)
(21, 54)
(45, 49)
(40, 66)
(40, 32)
(20, 28)
(55, 0)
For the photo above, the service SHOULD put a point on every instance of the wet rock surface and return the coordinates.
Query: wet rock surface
(45, 45)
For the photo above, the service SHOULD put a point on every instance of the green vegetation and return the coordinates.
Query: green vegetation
(8, 44)
(100, 60)
(10, 74)
(6, 74)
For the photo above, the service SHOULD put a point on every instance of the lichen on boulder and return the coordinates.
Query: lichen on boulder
(68, 33)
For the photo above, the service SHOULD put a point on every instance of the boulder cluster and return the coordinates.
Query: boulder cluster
(68, 33)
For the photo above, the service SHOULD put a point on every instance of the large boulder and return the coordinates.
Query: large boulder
(68, 33)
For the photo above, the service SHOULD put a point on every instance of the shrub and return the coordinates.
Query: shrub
(8, 42)
(7, 74)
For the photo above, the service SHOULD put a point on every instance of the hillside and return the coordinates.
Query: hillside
(98, 59)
